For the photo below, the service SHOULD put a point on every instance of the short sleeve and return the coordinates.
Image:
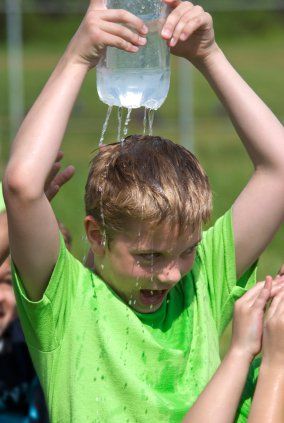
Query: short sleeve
(44, 321)
(2, 204)
(216, 256)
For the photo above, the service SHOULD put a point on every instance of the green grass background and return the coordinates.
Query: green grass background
(254, 46)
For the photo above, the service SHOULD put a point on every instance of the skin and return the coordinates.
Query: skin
(7, 297)
(268, 401)
(230, 378)
(54, 182)
(35, 252)
(141, 259)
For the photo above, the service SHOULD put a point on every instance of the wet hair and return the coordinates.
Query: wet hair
(147, 179)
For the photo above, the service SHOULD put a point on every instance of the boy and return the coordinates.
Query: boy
(138, 341)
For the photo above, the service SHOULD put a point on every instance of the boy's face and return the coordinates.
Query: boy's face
(142, 266)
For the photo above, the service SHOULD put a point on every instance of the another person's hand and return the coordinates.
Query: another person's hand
(189, 31)
(281, 271)
(249, 313)
(102, 27)
(273, 333)
(56, 180)
(7, 297)
(248, 319)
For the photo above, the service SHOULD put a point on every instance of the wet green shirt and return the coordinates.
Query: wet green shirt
(2, 204)
(99, 361)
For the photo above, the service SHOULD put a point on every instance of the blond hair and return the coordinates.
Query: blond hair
(147, 179)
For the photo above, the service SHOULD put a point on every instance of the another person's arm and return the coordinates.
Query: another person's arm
(268, 401)
(54, 182)
(33, 229)
(229, 380)
(259, 209)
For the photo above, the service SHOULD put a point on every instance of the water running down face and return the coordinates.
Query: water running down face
(141, 266)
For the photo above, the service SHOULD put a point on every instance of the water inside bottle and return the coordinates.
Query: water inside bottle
(141, 79)
(143, 89)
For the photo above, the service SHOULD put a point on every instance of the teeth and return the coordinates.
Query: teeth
(151, 292)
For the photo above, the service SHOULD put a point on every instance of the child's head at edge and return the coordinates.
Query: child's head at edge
(146, 201)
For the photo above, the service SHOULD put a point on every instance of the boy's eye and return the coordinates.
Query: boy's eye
(188, 252)
(149, 257)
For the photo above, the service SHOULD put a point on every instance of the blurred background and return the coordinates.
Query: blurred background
(33, 35)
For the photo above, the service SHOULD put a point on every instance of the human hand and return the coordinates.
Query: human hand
(102, 27)
(248, 316)
(281, 271)
(7, 297)
(273, 332)
(189, 31)
(56, 180)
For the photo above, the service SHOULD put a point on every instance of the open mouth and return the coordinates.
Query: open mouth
(152, 296)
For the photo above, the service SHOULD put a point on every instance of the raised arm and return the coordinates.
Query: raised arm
(33, 229)
(259, 209)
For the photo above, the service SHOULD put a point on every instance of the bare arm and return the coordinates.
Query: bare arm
(259, 210)
(230, 378)
(33, 229)
(268, 401)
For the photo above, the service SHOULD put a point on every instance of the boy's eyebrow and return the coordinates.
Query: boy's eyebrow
(151, 251)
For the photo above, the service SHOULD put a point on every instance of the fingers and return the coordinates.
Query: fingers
(174, 18)
(98, 4)
(115, 28)
(183, 21)
(124, 17)
(276, 305)
(64, 176)
(124, 33)
(58, 181)
(281, 271)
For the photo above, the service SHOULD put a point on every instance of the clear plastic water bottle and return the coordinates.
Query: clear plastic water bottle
(139, 79)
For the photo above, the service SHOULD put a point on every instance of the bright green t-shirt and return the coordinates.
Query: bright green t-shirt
(100, 361)
(2, 204)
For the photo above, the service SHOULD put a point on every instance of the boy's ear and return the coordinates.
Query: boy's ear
(94, 235)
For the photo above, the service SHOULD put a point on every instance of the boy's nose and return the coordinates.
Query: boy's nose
(171, 274)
